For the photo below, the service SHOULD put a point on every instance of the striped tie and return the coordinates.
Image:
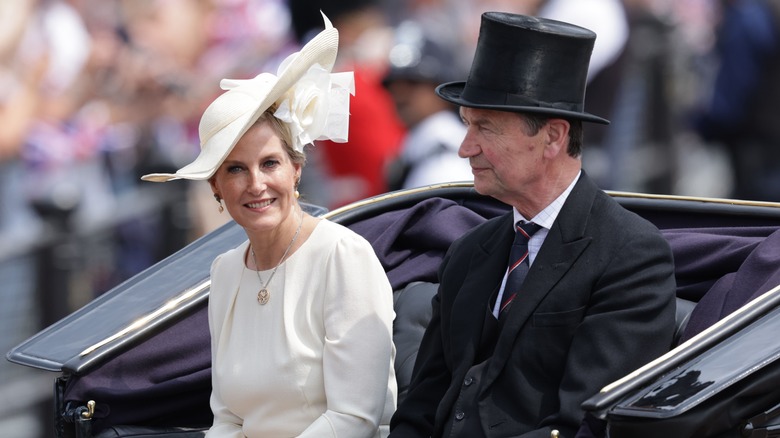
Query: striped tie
(518, 261)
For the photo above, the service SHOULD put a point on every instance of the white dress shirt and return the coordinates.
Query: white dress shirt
(545, 219)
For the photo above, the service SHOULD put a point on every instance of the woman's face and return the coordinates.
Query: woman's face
(257, 181)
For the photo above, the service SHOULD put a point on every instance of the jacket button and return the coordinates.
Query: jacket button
(468, 381)
(459, 416)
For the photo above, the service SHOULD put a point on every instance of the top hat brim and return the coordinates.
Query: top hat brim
(453, 93)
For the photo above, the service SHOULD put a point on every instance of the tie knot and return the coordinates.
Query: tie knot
(526, 229)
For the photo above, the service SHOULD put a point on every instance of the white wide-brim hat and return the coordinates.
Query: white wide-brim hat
(315, 108)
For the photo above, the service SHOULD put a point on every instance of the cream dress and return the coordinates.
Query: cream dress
(317, 359)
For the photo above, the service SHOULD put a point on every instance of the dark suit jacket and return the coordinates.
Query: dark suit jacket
(597, 303)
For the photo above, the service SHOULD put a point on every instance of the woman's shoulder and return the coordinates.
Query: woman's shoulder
(334, 231)
(232, 257)
(338, 236)
(226, 273)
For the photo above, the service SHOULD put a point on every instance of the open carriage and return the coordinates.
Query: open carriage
(136, 361)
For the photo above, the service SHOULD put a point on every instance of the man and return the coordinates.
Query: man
(598, 298)
(429, 152)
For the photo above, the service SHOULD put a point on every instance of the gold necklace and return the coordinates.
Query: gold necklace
(263, 295)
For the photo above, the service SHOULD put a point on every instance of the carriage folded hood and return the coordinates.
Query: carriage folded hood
(130, 311)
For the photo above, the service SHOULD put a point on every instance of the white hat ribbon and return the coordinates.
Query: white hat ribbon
(317, 107)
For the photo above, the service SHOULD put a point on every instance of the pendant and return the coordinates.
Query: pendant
(263, 296)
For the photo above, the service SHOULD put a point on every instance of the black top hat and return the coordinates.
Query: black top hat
(527, 64)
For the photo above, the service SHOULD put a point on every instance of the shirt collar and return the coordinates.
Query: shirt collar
(547, 216)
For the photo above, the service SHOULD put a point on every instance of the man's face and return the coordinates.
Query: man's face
(505, 159)
(415, 100)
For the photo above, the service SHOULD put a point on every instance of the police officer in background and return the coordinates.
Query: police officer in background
(429, 153)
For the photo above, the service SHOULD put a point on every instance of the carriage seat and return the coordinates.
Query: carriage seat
(413, 312)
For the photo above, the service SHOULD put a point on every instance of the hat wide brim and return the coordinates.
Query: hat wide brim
(205, 164)
(453, 92)
(320, 50)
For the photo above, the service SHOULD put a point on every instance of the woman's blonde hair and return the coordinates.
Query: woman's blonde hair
(282, 129)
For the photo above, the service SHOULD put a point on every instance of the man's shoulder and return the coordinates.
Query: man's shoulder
(609, 211)
(483, 231)
(615, 226)
(603, 214)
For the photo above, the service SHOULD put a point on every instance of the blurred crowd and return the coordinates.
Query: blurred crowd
(95, 93)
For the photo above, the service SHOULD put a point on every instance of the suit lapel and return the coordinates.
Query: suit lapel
(486, 265)
(563, 245)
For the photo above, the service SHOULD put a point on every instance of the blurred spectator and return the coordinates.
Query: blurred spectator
(47, 132)
(354, 170)
(95, 93)
(605, 17)
(19, 77)
(741, 111)
(639, 142)
(606, 71)
(437, 17)
(20, 100)
(429, 153)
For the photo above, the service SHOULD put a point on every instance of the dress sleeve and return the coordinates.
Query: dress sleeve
(226, 424)
(358, 348)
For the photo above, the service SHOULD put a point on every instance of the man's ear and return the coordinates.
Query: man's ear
(557, 132)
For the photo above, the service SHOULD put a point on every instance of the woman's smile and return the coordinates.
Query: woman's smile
(260, 204)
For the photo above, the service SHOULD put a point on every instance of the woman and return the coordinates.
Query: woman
(301, 313)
